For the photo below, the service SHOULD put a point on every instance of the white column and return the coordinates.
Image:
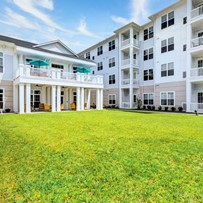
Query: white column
(53, 98)
(15, 98)
(70, 97)
(58, 98)
(48, 95)
(78, 99)
(88, 98)
(66, 99)
(98, 99)
(82, 101)
(21, 98)
(43, 95)
(188, 95)
(28, 91)
(101, 99)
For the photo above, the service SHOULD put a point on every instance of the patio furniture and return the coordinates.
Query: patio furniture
(41, 107)
(73, 106)
(47, 107)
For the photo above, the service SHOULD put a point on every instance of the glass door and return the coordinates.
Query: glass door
(35, 99)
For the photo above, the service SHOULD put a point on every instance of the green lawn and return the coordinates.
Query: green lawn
(101, 156)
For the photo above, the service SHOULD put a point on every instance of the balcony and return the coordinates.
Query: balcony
(125, 82)
(197, 13)
(127, 43)
(126, 62)
(196, 107)
(136, 83)
(49, 76)
(197, 42)
(196, 73)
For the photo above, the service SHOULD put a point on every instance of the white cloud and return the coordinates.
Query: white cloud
(31, 7)
(84, 30)
(15, 19)
(139, 13)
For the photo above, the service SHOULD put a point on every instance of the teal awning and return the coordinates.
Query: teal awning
(83, 70)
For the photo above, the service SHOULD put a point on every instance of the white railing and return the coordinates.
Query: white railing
(196, 72)
(136, 82)
(125, 62)
(196, 107)
(135, 42)
(28, 71)
(125, 81)
(197, 12)
(197, 42)
(135, 62)
(125, 105)
(125, 42)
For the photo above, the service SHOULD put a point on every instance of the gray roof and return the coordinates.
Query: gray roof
(31, 45)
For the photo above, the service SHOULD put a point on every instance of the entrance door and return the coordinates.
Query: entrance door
(35, 98)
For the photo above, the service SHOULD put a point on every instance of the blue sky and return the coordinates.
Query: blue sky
(78, 23)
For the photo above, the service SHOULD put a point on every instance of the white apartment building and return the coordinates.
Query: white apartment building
(25, 88)
(160, 62)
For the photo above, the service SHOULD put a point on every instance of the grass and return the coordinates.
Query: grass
(101, 156)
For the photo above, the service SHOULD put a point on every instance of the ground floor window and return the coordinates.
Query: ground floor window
(1, 98)
(135, 98)
(167, 98)
(148, 99)
(112, 99)
(200, 97)
(75, 97)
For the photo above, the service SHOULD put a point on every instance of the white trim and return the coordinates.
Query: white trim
(108, 99)
(4, 98)
(167, 98)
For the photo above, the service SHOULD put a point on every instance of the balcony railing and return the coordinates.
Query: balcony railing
(28, 71)
(196, 107)
(125, 105)
(135, 62)
(125, 82)
(135, 42)
(125, 42)
(197, 12)
(197, 42)
(136, 82)
(196, 72)
(125, 62)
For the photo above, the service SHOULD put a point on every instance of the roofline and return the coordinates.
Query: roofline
(164, 9)
(97, 44)
(125, 26)
(55, 41)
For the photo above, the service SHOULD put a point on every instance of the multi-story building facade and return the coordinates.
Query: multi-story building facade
(25, 88)
(160, 62)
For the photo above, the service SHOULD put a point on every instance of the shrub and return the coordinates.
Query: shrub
(159, 108)
(180, 108)
(144, 107)
(149, 107)
(173, 108)
(153, 108)
(7, 110)
(166, 108)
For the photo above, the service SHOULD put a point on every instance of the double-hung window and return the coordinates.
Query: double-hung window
(164, 22)
(148, 75)
(163, 70)
(100, 50)
(111, 45)
(112, 99)
(100, 66)
(167, 20)
(1, 99)
(151, 54)
(171, 19)
(148, 99)
(171, 44)
(148, 33)
(111, 62)
(167, 69)
(167, 98)
(1, 62)
(164, 46)
(112, 79)
(146, 55)
(87, 55)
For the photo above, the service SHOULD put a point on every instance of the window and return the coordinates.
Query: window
(164, 46)
(111, 62)
(145, 55)
(87, 55)
(93, 58)
(171, 18)
(100, 66)
(75, 97)
(171, 44)
(167, 20)
(112, 79)
(184, 74)
(200, 97)
(134, 98)
(57, 66)
(148, 99)
(167, 69)
(184, 47)
(200, 63)
(184, 20)
(1, 99)
(1, 62)
(170, 47)
(112, 99)
(148, 75)
(100, 50)
(151, 55)
(111, 45)
(167, 98)
(148, 33)
(74, 69)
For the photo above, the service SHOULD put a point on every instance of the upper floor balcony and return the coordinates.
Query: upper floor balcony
(197, 14)
(197, 43)
(196, 74)
(57, 76)
(130, 42)
(128, 62)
